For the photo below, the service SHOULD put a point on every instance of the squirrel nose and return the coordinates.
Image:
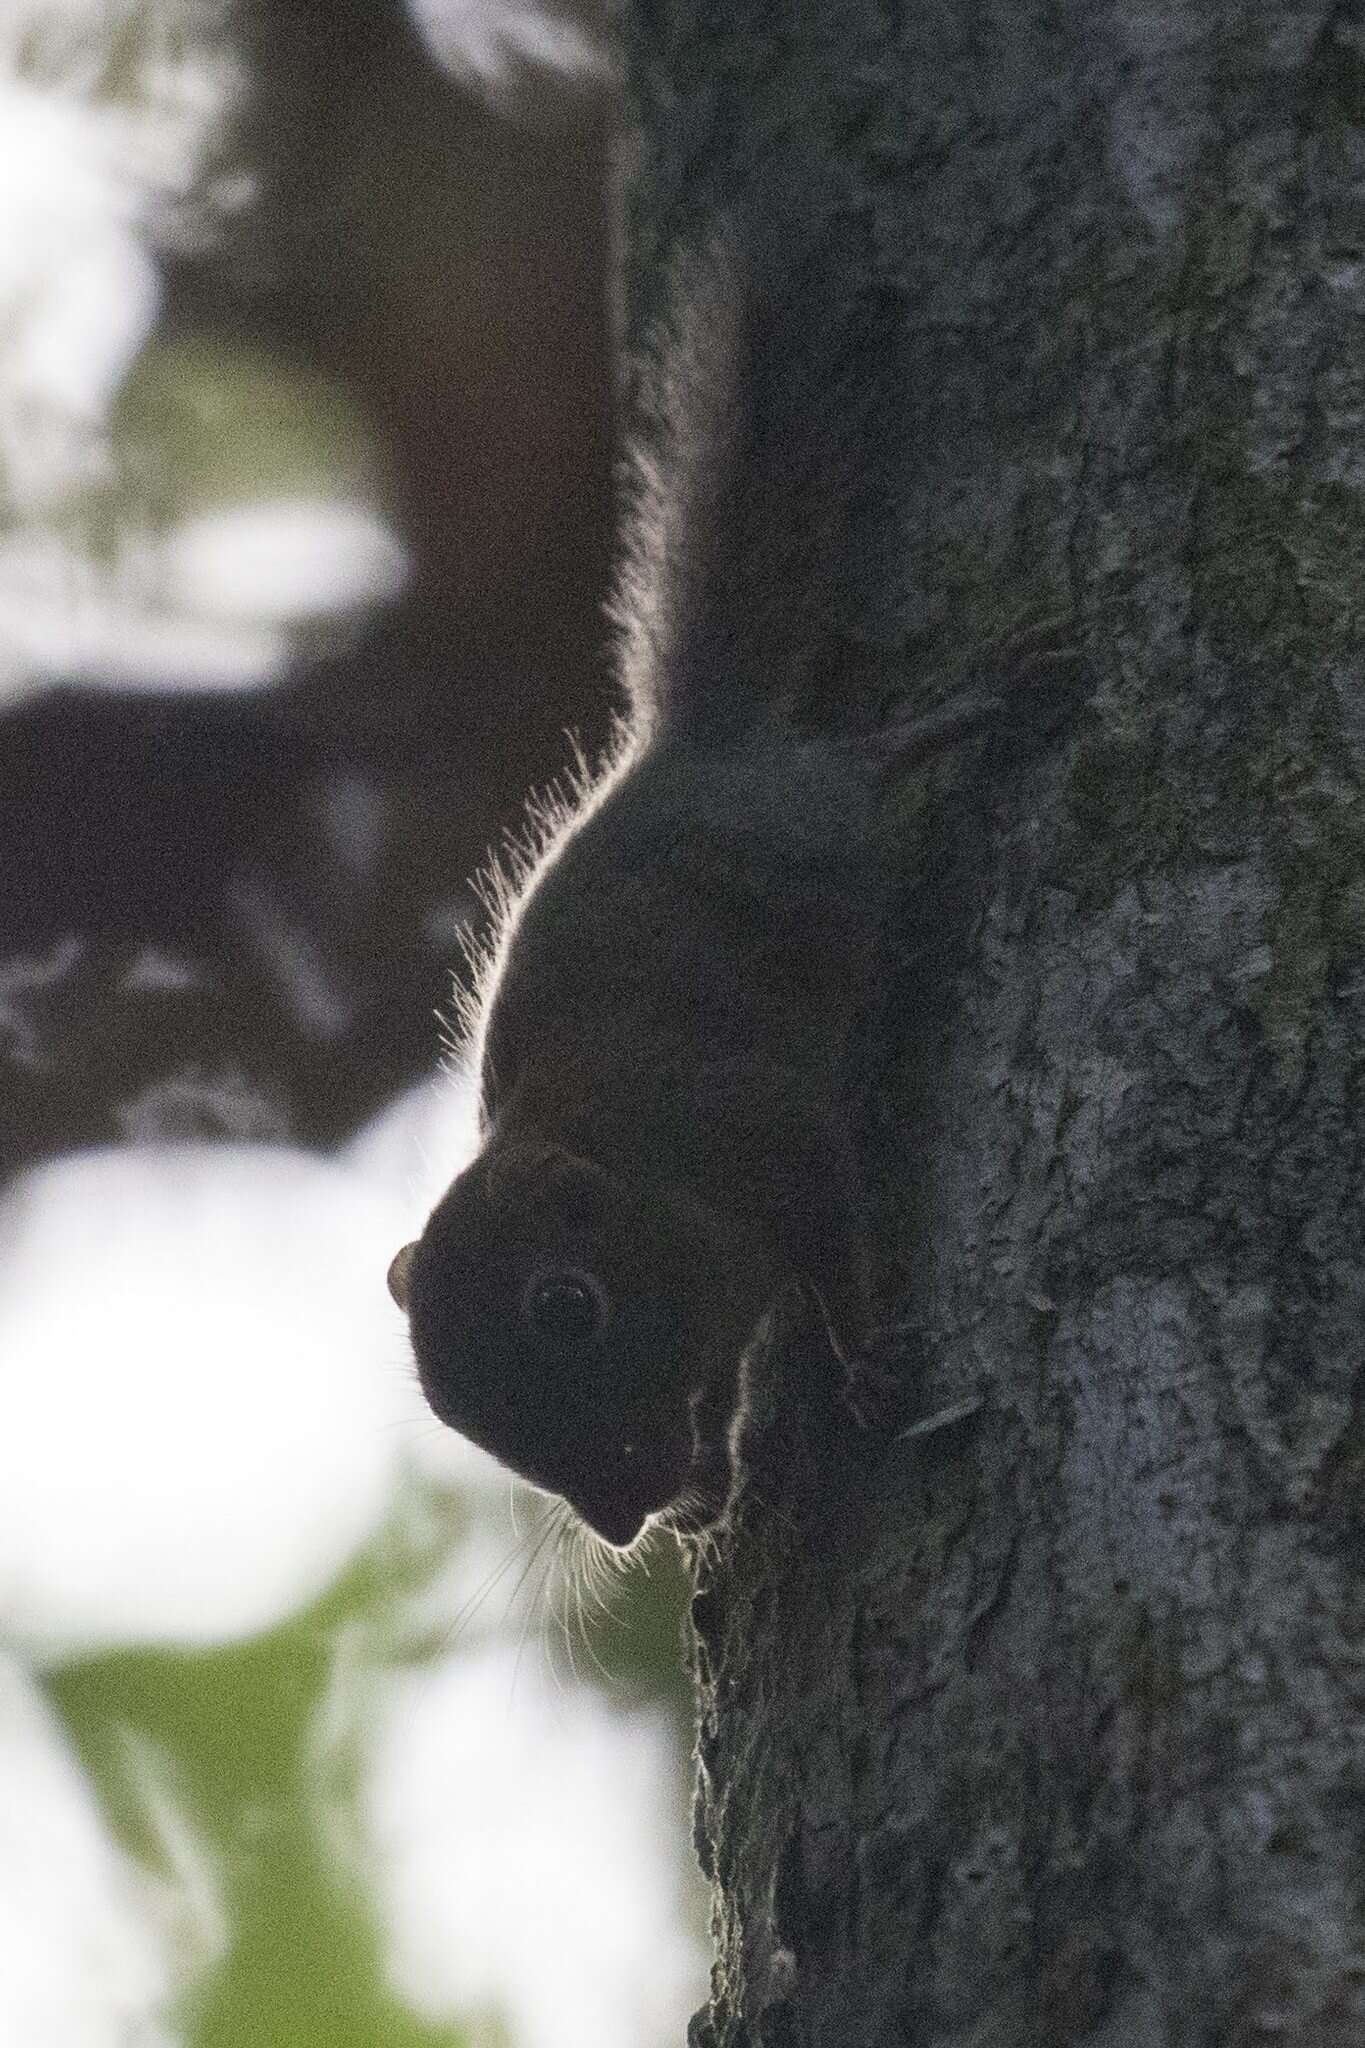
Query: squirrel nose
(617, 1520)
(399, 1268)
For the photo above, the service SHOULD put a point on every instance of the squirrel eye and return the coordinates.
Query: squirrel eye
(567, 1305)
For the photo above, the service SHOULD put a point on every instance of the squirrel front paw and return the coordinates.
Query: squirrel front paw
(878, 1391)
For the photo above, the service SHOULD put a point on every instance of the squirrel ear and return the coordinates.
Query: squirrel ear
(538, 1176)
(575, 1188)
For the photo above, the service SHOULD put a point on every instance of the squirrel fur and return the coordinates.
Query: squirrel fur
(661, 1034)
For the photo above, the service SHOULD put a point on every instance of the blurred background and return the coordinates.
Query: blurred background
(305, 431)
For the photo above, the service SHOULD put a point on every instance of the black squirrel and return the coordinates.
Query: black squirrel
(663, 1025)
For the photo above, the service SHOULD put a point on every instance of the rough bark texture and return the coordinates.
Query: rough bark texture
(1050, 1728)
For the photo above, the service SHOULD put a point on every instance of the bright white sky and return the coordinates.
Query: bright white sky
(84, 1958)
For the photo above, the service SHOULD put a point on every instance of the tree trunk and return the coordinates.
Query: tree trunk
(1049, 1727)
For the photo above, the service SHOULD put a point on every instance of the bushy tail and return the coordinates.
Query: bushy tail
(763, 544)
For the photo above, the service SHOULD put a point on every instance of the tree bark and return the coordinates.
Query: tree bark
(1050, 1727)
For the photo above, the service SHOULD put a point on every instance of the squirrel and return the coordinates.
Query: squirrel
(662, 1027)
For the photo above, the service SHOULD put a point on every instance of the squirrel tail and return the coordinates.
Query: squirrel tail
(764, 545)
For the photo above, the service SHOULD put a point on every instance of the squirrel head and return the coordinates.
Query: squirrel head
(585, 1330)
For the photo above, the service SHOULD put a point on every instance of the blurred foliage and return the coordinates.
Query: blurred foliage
(238, 1727)
(200, 421)
(271, 1804)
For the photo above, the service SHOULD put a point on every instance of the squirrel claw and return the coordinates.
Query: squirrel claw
(879, 1400)
(942, 1418)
